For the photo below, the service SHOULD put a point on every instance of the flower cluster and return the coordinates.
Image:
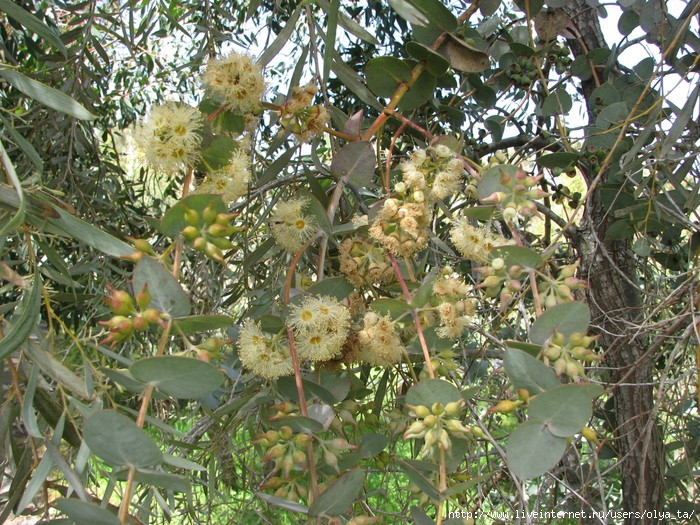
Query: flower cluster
(209, 231)
(320, 326)
(380, 345)
(237, 81)
(231, 181)
(432, 174)
(435, 425)
(475, 243)
(568, 355)
(301, 118)
(365, 263)
(517, 194)
(170, 137)
(453, 307)
(267, 355)
(559, 290)
(129, 317)
(290, 226)
(401, 226)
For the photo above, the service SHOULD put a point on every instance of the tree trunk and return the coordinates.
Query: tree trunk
(616, 303)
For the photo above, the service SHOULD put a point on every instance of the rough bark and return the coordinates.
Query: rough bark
(616, 304)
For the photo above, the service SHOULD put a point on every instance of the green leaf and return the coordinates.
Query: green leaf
(124, 379)
(297, 424)
(177, 376)
(85, 513)
(464, 57)
(29, 150)
(23, 320)
(89, 234)
(563, 410)
(39, 477)
(372, 444)
(337, 383)
(45, 94)
(156, 478)
(355, 162)
(420, 92)
(565, 318)
(218, 154)
(287, 387)
(201, 323)
(491, 179)
(628, 22)
(283, 503)
(529, 373)
(118, 441)
(168, 296)
(435, 63)
(392, 307)
(517, 256)
(530, 7)
(385, 74)
(532, 450)
(612, 115)
(438, 15)
(419, 479)
(174, 219)
(430, 391)
(55, 369)
(560, 159)
(33, 24)
(557, 103)
(409, 12)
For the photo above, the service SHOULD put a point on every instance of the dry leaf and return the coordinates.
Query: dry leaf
(550, 24)
(462, 56)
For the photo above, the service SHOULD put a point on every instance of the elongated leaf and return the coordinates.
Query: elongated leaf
(283, 503)
(40, 475)
(282, 38)
(337, 287)
(46, 95)
(55, 369)
(85, 513)
(156, 478)
(33, 24)
(339, 495)
(117, 440)
(24, 145)
(9, 169)
(200, 323)
(24, 319)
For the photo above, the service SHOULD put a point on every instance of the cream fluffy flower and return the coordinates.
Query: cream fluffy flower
(320, 326)
(263, 353)
(237, 80)
(290, 226)
(231, 181)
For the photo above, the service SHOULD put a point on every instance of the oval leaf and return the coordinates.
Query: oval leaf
(517, 256)
(355, 162)
(385, 74)
(432, 391)
(527, 372)
(168, 296)
(339, 495)
(564, 410)
(201, 323)
(566, 318)
(179, 377)
(118, 441)
(532, 450)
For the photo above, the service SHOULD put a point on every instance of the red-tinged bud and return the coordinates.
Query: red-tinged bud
(515, 271)
(218, 230)
(331, 459)
(560, 366)
(199, 244)
(574, 283)
(222, 243)
(497, 197)
(113, 322)
(119, 302)
(274, 482)
(286, 432)
(491, 282)
(143, 298)
(505, 407)
(303, 439)
(224, 219)
(275, 452)
(191, 217)
(209, 213)
(203, 355)
(142, 245)
(152, 315)
(521, 175)
(140, 323)
(299, 458)
(513, 285)
(190, 233)
(133, 257)
(214, 252)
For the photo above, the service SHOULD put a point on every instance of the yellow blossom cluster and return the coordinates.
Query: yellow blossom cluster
(231, 181)
(237, 81)
(432, 174)
(380, 344)
(320, 326)
(401, 226)
(475, 243)
(453, 306)
(364, 262)
(290, 226)
(267, 355)
(169, 138)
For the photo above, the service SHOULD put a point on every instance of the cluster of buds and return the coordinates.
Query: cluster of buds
(209, 231)
(364, 262)
(285, 449)
(129, 316)
(501, 280)
(559, 57)
(433, 174)
(568, 355)
(301, 118)
(521, 190)
(595, 157)
(436, 425)
(506, 406)
(554, 292)
(523, 72)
